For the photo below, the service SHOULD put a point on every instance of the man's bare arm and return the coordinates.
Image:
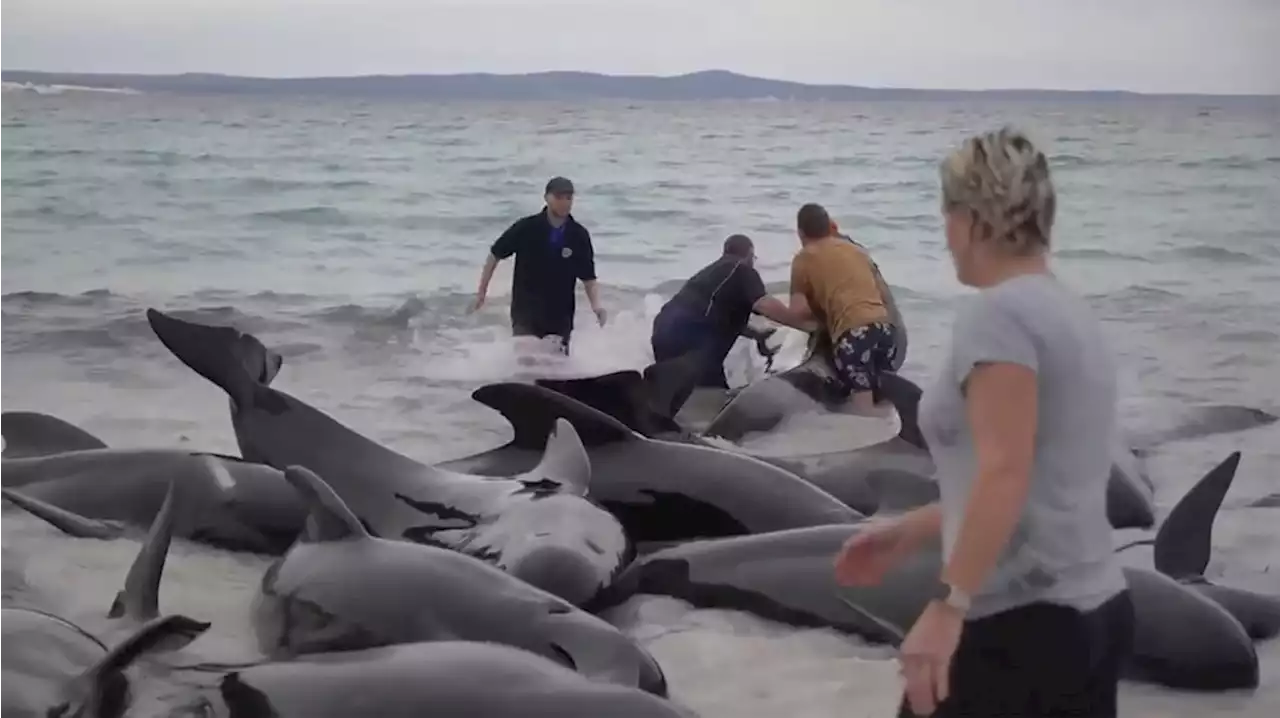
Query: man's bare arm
(771, 307)
(486, 276)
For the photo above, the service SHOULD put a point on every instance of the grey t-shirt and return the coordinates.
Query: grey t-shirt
(1061, 551)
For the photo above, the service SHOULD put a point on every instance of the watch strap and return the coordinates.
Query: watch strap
(954, 597)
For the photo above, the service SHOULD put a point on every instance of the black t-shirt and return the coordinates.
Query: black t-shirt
(723, 292)
(549, 263)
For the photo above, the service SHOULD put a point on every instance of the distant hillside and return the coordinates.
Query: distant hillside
(707, 85)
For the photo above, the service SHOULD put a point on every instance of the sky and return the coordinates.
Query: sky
(1200, 46)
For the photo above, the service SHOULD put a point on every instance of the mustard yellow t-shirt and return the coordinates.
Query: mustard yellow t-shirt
(837, 279)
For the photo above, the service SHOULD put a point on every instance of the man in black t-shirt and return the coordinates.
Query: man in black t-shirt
(552, 253)
(712, 310)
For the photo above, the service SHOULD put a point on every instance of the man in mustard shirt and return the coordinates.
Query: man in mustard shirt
(833, 281)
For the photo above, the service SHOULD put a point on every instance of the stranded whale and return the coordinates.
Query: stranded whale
(539, 525)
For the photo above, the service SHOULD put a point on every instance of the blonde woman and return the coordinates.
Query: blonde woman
(1031, 616)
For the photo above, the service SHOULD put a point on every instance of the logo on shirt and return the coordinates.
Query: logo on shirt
(566, 252)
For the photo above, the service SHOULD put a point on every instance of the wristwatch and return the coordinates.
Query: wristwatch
(952, 597)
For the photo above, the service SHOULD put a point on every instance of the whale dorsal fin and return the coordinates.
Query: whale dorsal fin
(68, 522)
(31, 433)
(1183, 543)
(329, 519)
(102, 689)
(565, 461)
(140, 599)
(532, 410)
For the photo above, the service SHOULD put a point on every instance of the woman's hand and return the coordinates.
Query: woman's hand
(926, 655)
(879, 546)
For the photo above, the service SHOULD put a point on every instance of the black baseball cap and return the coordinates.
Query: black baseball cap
(559, 185)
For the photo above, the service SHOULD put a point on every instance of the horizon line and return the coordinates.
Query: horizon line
(643, 76)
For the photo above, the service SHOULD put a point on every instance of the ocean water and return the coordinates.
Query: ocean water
(349, 236)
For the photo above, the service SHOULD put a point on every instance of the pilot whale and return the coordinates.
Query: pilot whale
(539, 525)
(228, 502)
(894, 473)
(444, 678)
(660, 490)
(340, 588)
(1184, 544)
(54, 667)
(1183, 639)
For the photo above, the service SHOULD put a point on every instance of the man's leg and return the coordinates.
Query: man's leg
(664, 348)
(712, 374)
(882, 356)
(521, 328)
(673, 334)
(854, 361)
(527, 329)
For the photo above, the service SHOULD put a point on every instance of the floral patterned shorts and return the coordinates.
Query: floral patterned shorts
(861, 354)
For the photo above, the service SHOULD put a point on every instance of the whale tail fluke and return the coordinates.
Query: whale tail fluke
(532, 411)
(646, 403)
(239, 363)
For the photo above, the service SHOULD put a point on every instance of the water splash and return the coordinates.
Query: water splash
(489, 353)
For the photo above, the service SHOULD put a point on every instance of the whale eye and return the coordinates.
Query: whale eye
(564, 656)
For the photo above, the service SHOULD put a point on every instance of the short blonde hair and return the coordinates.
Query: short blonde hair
(1004, 180)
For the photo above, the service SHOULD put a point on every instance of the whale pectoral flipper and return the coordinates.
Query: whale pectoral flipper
(330, 519)
(1184, 542)
(565, 460)
(140, 599)
(70, 523)
(532, 410)
(98, 692)
(30, 433)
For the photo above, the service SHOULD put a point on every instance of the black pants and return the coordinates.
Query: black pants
(521, 328)
(678, 331)
(1040, 661)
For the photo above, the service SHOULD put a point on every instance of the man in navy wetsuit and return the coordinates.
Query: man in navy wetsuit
(552, 253)
(712, 310)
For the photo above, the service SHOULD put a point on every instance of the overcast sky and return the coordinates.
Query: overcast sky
(1218, 46)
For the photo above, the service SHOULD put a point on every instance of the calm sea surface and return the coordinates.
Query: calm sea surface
(349, 235)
